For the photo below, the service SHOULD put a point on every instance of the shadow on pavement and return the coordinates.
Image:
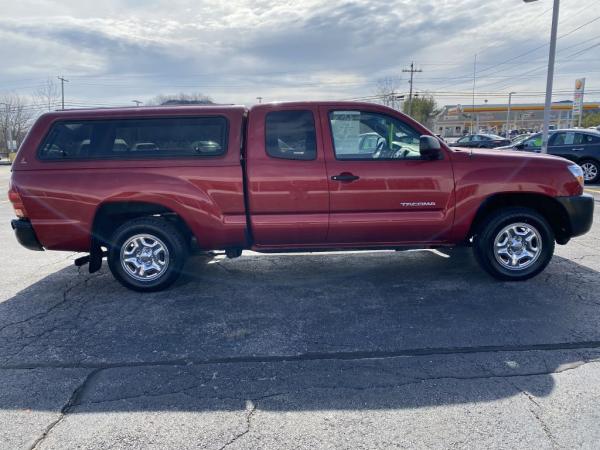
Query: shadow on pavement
(300, 332)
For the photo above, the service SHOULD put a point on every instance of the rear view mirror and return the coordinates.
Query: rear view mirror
(429, 147)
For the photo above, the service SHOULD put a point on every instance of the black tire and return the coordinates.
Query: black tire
(494, 224)
(595, 164)
(165, 234)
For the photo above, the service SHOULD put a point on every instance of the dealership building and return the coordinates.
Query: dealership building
(456, 120)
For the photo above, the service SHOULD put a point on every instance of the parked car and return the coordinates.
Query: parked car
(281, 177)
(581, 146)
(519, 138)
(481, 141)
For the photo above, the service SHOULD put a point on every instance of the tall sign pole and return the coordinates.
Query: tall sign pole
(578, 99)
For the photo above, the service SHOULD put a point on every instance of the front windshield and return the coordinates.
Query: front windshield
(534, 141)
(520, 139)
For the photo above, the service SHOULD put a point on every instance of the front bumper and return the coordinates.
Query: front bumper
(25, 234)
(580, 213)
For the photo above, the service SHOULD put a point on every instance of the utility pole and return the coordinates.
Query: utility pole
(259, 99)
(473, 102)
(62, 90)
(412, 71)
(137, 102)
(510, 94)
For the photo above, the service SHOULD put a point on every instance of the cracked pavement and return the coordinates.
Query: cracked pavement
(360, 350)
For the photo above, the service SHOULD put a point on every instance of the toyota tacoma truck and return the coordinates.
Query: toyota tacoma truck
(142, 186)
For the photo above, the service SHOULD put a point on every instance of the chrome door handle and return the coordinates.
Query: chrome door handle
(577, 149)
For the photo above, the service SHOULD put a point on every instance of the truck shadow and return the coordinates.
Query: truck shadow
(302, 332)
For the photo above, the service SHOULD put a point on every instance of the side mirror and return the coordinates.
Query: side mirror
(429, 147)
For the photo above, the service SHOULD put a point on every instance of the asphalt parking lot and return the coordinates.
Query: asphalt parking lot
(361, 350)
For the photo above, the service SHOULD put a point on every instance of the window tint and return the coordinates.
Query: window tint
(586, 139)
(136, 138)
(590, 139)
(366, 135)
(463, 140)
(291, 135)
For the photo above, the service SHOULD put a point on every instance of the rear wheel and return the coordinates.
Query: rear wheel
(147, 254)
(591, 171)
(514, 244)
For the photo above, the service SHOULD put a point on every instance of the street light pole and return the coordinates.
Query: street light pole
(508, 115)
(550, 77)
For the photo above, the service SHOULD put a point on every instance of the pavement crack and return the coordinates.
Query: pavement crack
(251, 407)
(72, 402)
(535, 408)
(65, 294)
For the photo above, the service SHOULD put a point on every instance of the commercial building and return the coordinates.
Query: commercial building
(456, 120)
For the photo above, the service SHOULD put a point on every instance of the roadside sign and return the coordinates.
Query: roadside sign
(578, 97)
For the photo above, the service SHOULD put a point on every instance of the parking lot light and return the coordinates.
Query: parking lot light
(510, 94)
(550, 76)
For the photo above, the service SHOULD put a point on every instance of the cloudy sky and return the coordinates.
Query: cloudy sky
(114, 51)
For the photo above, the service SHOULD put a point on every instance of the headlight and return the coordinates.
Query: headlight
(577, 172)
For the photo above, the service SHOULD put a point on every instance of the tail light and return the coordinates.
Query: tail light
(17, 202)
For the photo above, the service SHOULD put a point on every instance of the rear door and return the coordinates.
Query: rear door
(587, 146)
(385, 194)
(567, 144)
(288, 196)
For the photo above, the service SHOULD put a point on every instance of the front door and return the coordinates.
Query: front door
(381, 190)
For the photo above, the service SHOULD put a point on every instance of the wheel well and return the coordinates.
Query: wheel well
(110, 216)
(548, 207)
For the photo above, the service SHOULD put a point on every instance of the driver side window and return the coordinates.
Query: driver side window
(367, 136)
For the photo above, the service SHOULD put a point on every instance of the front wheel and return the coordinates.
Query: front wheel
(514, 244)
(147, 254)
(591, 171)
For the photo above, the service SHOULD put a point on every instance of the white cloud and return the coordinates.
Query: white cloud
(236, 50)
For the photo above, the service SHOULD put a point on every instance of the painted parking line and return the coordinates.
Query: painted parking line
(593, 190)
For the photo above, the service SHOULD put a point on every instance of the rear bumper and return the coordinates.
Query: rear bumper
(25, 234)
(580, 212)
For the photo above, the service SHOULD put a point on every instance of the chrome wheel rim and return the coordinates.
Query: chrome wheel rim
(590, 171)
(517, 246)
(144, 257)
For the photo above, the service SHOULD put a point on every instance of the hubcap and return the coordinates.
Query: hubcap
(590, 171)
(517, 246)
(144, 257)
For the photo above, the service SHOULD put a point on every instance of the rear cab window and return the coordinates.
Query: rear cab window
(291, 135)
(135, 138)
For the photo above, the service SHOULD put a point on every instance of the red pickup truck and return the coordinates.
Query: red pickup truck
(141, 186)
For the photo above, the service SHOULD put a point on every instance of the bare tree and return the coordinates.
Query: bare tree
(424, 109)
(181, 99)
(47, 96)
(386, 91)
(15, 119)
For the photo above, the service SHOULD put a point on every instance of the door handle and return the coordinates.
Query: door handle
(577, 149)
(345, 177)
